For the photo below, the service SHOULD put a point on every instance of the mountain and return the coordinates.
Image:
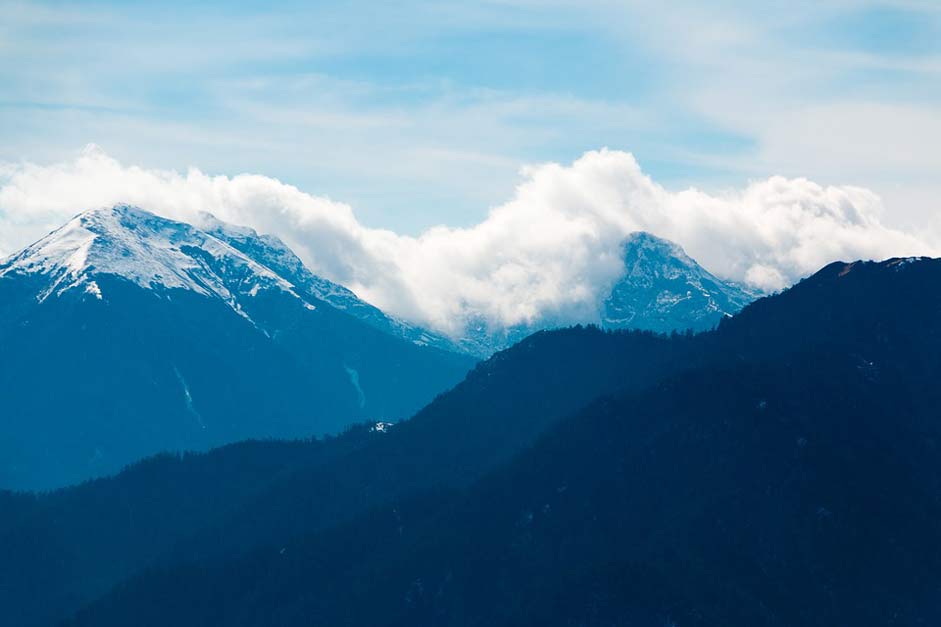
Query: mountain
(663, 290)
(483, 338)
(125, 334)
(778, 470)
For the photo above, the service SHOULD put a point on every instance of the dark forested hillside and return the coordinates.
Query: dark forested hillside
(802, 495)
(106, 528)
(502, 406)
(780, 470)
(15, 507)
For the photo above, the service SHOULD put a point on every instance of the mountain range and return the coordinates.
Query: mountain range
(126, 334)
(780, 469)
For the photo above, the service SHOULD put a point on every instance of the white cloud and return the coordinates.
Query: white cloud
(552, 250)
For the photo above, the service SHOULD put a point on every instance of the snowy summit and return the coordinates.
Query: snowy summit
(137, 246)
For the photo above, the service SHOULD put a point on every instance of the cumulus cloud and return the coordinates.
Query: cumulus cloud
(553, 250)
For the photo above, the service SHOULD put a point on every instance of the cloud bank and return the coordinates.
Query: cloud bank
(553, 250)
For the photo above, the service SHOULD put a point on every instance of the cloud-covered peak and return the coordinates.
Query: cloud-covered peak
(552, 251)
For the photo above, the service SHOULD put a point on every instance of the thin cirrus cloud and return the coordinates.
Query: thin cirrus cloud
(552, 250)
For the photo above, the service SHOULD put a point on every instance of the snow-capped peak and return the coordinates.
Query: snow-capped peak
(664, 289)
(140, 247)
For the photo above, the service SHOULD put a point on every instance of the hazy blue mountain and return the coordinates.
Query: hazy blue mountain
(483, 338)
(124, 334)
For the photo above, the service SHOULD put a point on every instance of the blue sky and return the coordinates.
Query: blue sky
(420, 113)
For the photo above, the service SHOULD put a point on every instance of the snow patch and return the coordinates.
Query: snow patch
(188, 398)
(93, 289)
(354, 379)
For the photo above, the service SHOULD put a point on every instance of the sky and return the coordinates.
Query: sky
(418, 123)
